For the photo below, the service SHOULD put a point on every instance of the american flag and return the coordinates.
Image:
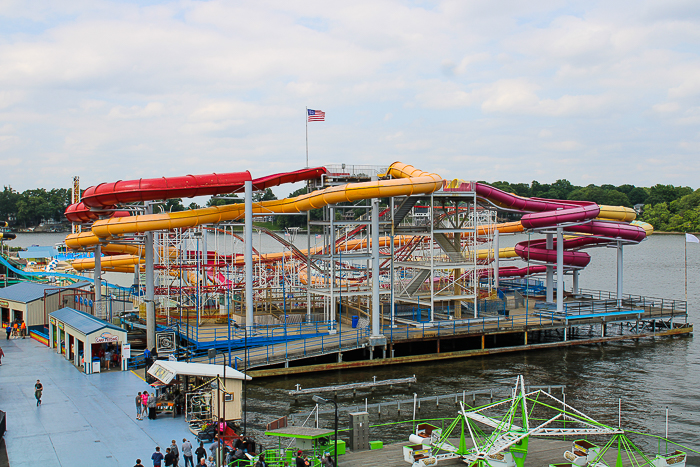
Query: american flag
(316, 115)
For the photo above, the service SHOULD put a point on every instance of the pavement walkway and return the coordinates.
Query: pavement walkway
(83, 420)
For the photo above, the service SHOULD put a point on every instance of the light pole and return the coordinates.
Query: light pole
(321, 400)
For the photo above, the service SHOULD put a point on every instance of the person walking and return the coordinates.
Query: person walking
(8, 330)
(138, 463)
(139, 404)
(187, 452)
(201, 453)
(23, 329)
(176, 453)
(38, 388)
(2, 354)
(152, 406)
(157, 457)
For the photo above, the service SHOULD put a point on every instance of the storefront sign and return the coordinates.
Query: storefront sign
(162, 374)
(5, 304)
(52, 321)
(106, 337)
(60, 325)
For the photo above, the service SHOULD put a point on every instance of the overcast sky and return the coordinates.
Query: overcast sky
(594, 92)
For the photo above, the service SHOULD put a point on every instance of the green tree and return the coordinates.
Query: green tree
(266, 195)
(657, 215)
(173, 205)
(224, 200)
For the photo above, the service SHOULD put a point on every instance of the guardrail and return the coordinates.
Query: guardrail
(232, 331)
(639, 301)
(294, 349)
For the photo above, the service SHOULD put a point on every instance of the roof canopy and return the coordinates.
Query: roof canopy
(166, 371)
(83, 322)
(26, 292)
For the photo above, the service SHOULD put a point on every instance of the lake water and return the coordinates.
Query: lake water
(648, 376)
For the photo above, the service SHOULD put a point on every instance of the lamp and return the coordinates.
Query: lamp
(321, 400)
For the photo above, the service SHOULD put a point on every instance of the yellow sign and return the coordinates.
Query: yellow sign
(4, 303)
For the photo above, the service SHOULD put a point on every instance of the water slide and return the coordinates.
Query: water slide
(594, 224)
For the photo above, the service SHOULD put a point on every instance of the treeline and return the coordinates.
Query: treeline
(32, 207)
(666, 207)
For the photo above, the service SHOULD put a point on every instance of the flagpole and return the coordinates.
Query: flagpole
(307, 137)
(685, 243)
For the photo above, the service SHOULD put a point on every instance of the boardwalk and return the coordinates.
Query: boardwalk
(541, 452)
(83, 419)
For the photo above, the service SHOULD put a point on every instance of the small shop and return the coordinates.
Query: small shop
(91, 344)
(203, 392)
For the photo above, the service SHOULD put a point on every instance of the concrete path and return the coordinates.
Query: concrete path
(83, 419)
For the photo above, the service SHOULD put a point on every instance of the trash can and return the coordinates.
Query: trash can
(355, 320)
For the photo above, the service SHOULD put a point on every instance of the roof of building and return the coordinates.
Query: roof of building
(83, 322)
(199, 369)
(25, 292)
(33, 252)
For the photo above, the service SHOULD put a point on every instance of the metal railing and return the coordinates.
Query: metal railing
(294, 349)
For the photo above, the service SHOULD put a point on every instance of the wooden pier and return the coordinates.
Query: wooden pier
(541, 452)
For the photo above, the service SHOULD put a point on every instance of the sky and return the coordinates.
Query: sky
(593, 92)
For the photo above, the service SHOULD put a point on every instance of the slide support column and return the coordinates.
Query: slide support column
(575, 287)
(550, 271)
(375, 267)
(98, 274)
(150, 294)
(560, 270)
(496, 258)
(248, 256)
(619, 274)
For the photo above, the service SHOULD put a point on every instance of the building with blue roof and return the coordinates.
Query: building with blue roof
(31, 302)
(90, 343)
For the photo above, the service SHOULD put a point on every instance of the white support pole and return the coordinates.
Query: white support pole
(550, 271)
(496, 258)
(575, 286)
(98, 273)
(619, 274)
(333, 309)
(308, 264)
(375, 267)
(391, 271)
(560, 270)
(150, 292)
(248, 256)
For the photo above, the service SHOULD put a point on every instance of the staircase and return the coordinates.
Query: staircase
(453, 251)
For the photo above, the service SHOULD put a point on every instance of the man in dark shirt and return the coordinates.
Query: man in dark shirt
(157, 457)
(300, 460)
(169, 458)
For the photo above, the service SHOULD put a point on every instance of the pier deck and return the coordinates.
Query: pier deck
(541, 452)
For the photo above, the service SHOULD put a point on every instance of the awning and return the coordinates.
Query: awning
(166, 371)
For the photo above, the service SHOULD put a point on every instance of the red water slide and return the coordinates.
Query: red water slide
(99, 200)
(543, 213)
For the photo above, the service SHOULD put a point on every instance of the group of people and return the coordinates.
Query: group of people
(17, 328)
(146, 403)
(109, 356)
(171, 458)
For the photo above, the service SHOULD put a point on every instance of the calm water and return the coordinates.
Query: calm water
(647, 376)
